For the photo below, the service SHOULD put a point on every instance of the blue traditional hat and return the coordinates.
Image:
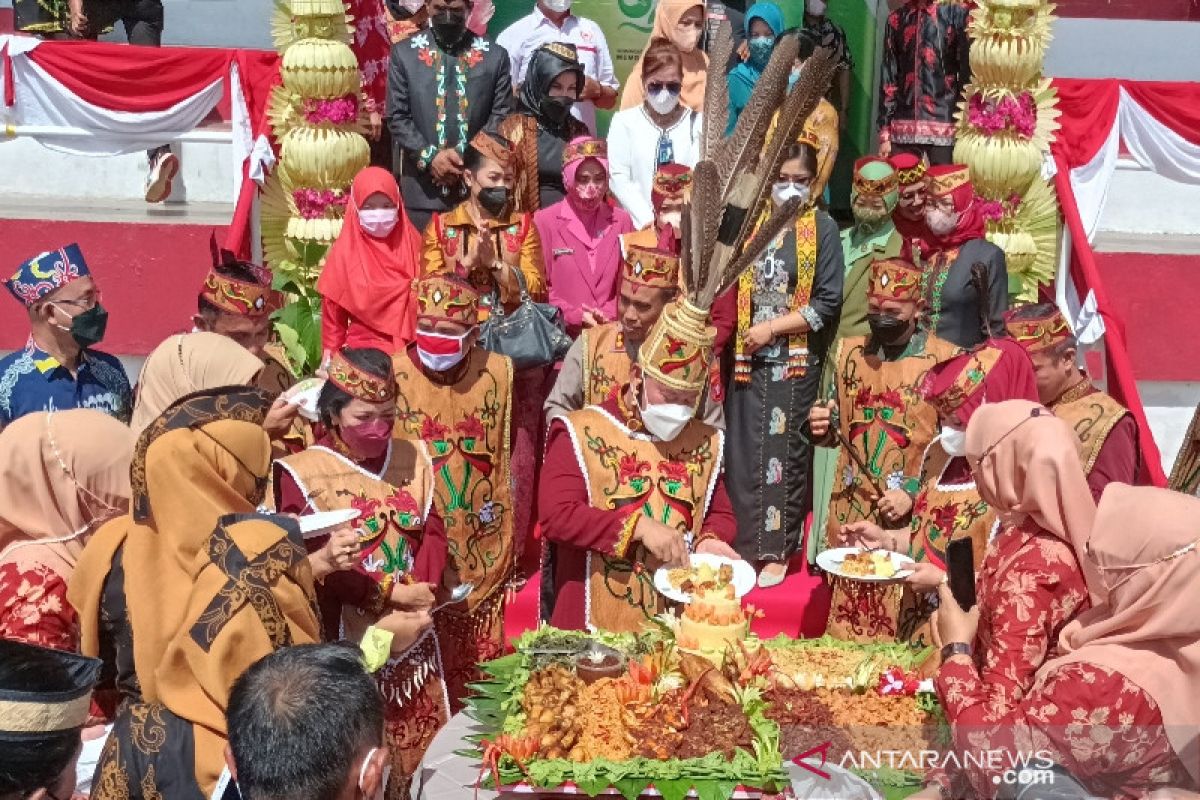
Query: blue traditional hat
(42, 274)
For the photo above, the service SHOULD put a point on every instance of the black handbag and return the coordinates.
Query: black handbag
(533, 335)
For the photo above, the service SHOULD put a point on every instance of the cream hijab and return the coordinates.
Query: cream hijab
(186, 363)
(695, 61)
(1145, 550)
(64, 473)
(1026, 463)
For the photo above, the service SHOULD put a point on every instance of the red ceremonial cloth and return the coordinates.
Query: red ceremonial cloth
(371, 278)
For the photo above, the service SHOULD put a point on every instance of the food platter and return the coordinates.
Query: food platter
(655, 720)
(872, 565)
(323, 522)
(703, 567)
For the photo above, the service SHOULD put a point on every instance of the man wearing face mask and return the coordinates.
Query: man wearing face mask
(1107, 431)
(457, 398)
(960, 310)
(552, 21)
(650, 496)
(335, 749)
(470, 78)
(888, 425)
(58, 369)
(873, 236)
(948, 505)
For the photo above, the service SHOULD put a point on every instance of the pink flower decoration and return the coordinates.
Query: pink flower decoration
(1018, 114)
(340, 111)
(314, 203)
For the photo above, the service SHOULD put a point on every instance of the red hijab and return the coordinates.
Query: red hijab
(995, 371)
(955, 180)
(372, 278)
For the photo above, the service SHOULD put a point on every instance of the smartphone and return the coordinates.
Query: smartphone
(960, 566)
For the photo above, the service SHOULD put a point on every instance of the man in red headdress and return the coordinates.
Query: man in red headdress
(965, 278)
(1107, 431)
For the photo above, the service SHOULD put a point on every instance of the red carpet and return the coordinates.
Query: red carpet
(1156, 297)
(148, 274)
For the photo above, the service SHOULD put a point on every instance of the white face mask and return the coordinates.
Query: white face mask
(665, 421)
(784, 191)
(941, 223)
(816, 7)
(558, 6)
(663, 101)
(383, 779)
(672, 218)
(954, 442)
(378, 222)
(412, 6)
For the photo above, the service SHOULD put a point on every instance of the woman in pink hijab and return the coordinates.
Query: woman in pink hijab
(1119, 709)
(581, 238)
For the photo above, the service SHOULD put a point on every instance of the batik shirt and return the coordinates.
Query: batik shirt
(32, 380)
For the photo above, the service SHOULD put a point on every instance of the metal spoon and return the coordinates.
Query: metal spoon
(457, 595)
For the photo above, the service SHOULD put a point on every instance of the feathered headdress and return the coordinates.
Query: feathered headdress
(725, 224)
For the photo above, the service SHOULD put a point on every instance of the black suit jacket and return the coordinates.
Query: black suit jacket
(414, 89)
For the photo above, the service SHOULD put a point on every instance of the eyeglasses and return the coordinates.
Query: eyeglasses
(674, 87)
(87, 302)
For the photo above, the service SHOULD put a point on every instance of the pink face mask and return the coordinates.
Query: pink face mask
(589, 196)
(368, 439)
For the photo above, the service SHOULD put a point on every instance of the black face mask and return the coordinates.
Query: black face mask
(87, 328)
(494, 199)
(557, 108)
(449, 27)
(887, 330)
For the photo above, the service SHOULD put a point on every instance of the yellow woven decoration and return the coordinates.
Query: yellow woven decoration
(309, 19)
(301, 230)
(320, 68)
(1008, 42)
(275, 210)
(1001, 163)
(323, 158)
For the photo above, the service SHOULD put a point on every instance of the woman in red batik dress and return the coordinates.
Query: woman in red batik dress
(1118, 709)
(65, 473)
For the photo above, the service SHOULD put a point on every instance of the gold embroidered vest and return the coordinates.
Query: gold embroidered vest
(889, 425)
(466, 428)
(1093, 416)
(942, 513)
(606, 362)
(394, 508)
(628, 473)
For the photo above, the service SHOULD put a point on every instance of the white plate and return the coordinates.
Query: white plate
(323, 522)
(831, 562)
(304, 394)
(743, 576)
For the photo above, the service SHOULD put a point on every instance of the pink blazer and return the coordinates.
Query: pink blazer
(577, 280)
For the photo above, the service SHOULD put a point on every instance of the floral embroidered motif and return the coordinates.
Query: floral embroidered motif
(34, 607)
(778, 421)
(774, 519)
(774, 471)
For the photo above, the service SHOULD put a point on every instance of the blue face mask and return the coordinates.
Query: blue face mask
(760, 51)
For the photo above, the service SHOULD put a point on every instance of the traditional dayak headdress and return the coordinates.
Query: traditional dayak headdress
(1040, 333)
(671, 182)
(895, 279)
(945, 179)
(585, 147)
(993, 372)
(650, 267)
(44, 273)
(493, 147)
(724, 232)
(235, 296)
(445, 298)
(30, 712)
(359, 383)
(909, 168)
(874, 176)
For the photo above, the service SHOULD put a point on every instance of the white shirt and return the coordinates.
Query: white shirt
(633, 156)
(529, 33)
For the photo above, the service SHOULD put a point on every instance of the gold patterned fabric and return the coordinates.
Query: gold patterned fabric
(606, 362)
(670, 482)
(884, 418)
(1093, 415)
(678, 351)
(466, 424)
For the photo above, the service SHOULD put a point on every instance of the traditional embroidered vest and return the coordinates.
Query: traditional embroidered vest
(394, 508)
(275, 375)
(466, 428)
(1093, 417)
(606, 362)
(942, 513)
(627, 473)
(889, 425)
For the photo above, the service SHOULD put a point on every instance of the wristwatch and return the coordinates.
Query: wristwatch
(955, 649)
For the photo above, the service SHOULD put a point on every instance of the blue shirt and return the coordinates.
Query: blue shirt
(32, 380)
